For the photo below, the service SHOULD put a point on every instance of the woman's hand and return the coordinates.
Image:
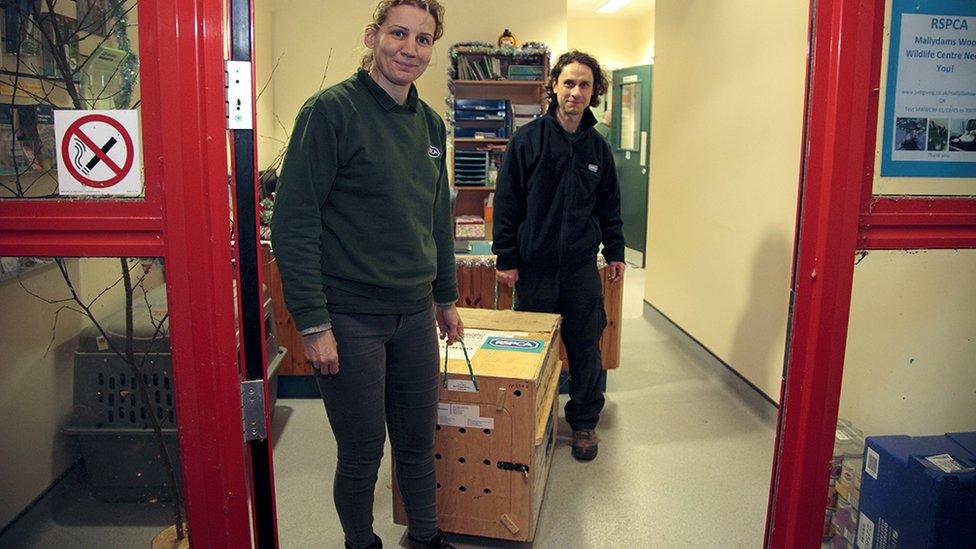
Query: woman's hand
(449, 322)
(322, 351)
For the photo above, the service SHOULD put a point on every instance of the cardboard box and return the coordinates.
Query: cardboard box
(918, 492)
(848, 486)
(848, 444)
(494, 444)
(844, 521)
(469, 226)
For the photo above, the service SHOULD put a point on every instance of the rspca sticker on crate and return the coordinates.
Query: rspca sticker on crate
(518, 344)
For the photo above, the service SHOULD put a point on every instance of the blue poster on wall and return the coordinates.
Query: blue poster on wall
(930, 110)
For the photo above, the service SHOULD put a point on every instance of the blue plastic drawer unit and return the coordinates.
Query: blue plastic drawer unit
(484, 118)
(919, 492)
(470, 167)
(480, 115)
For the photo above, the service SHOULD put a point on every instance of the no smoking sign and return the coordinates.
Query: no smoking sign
(98, 152)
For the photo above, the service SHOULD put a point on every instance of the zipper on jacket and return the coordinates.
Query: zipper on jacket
(567, 194)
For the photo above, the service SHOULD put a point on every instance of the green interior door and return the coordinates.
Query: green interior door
(630, 140)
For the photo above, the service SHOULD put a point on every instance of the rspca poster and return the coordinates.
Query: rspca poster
(930, 110)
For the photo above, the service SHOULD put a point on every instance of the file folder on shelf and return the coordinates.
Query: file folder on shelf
(470, 167)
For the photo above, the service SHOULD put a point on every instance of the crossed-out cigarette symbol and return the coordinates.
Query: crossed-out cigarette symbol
(80, 149)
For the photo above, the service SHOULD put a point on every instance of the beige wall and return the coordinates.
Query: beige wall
(36, 384)
(644, 40)
(35, 389)
(305, 31)
(268, 135)
(911, 350)
(616, 42)
(725, 158)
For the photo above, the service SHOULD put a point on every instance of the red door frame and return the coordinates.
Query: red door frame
(184, 218)
(244, 154)
(838, 214)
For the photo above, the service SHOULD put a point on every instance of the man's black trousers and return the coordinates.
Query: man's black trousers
(575, 293)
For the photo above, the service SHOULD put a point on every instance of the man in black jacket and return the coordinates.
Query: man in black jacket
(557, 199)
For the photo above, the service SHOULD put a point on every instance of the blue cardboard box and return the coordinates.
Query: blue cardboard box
(918, 492)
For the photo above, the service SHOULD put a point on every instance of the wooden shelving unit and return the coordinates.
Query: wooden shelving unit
(473, 188)
(471, 199)
(521, 91)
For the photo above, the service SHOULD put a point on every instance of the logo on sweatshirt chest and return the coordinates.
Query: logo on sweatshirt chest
(433, 152)
(593, 168)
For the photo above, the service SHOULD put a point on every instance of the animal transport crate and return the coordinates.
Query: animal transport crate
(496, 429)
(478, 288)
(110, 423)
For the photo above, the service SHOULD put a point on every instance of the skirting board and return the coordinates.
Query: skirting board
(758, 401)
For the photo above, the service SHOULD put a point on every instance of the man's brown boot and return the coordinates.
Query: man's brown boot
(584, 444)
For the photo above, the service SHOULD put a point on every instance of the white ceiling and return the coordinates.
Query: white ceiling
(588, 7)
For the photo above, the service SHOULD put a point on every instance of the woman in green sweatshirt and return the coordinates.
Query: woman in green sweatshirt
(363, 236)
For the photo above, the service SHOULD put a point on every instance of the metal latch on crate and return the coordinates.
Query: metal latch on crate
(239, 95)
(253, 412)
(509, 466)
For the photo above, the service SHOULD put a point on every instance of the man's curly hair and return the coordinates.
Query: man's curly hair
(600, 84)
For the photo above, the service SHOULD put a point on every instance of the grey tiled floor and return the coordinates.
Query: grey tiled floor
(684, 462)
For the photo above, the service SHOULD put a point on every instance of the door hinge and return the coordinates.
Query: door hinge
(239, 96)
(253, 410)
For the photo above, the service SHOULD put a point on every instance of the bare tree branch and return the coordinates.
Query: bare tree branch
(56, 44)
(42, 298)
(54, 328)
(274, 69)
(325, 73)
(105, 291)
(157, 428)
(270, 138)
(46, 173)
(8, 189)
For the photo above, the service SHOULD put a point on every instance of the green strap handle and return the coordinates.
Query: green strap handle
(447, 346)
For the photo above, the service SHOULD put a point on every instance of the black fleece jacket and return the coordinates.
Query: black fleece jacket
(557, 197)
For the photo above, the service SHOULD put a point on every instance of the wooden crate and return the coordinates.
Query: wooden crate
(494, 446)
(294, 362)
(478, 288)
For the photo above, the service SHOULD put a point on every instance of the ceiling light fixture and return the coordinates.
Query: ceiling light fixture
(612, 6)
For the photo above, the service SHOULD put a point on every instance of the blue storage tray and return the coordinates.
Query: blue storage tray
(481, 104)
(466, 115)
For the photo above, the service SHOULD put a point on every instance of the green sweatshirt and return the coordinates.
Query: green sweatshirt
(362, 220)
